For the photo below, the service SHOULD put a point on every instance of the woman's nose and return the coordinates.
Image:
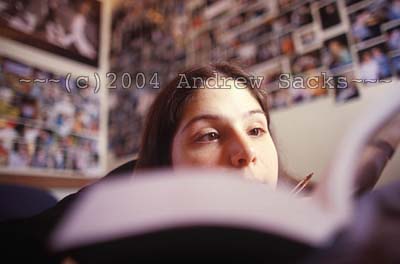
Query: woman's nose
(242, 153)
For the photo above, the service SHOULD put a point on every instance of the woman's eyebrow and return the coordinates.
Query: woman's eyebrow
(218, 117)
(252, 112)
(202, 117)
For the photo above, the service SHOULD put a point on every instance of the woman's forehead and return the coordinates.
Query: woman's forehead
(226, 102)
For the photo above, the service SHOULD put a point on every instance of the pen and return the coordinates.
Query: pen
(302, 184)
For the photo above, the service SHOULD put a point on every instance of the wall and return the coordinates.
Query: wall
(307, 135)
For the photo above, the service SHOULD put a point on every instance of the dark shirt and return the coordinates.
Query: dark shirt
(24, 240)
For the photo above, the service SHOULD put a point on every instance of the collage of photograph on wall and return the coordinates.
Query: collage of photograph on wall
(352, 42)
(148, 46)
(42, 126)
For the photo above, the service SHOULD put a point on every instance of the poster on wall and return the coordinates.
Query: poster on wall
(43, 125)
(69, 28)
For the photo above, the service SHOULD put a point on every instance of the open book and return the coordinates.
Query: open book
(163, 200)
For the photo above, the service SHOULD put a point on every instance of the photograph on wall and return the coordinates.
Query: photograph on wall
(345, 87)
(42, 125)
(306, 62)
(286, 45)
(336, 52)
(255, 33)
(267, 50)
(69, 28)
(270, 72)
(392, 36)
(282, 23)
(374, 63)
(255, 11)
(329, 15)
(286, 4)
(393, 9)
(306, 39)
(366, 23)
(308, 86)
(302, 16)
(395, 60)
(247, 54)
(279, 99)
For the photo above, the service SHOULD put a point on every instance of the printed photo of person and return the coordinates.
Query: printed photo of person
(329, 15)
(306, 62)
(314, 83)
(336, 52)
(374, 64)
(237, 20)
(345, 87)
(260, 11)
(307, 86)
(255, 33)
(68, 28)
(267, 50)
(393, 38)
(306, 39)
(247, 54)
(366, 23)
(286, 4)
(269, 72)
(245, 15)
(279, 99)
(282, 24)
(301, 16)
(395, 60)
(286, 45)
(256, 9)
(393, 9)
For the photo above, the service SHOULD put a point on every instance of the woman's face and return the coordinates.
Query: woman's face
(226, 128)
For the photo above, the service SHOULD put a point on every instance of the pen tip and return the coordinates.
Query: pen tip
(309, 176)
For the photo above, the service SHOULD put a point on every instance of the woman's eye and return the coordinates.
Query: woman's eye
(208, 137)
(257, 131)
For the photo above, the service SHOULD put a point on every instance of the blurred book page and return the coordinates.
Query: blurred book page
(167, 199)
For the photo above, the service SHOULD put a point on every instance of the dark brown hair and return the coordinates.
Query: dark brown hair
(165, 114)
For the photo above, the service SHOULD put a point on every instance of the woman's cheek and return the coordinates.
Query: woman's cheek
(266, 151)
(202, 156)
